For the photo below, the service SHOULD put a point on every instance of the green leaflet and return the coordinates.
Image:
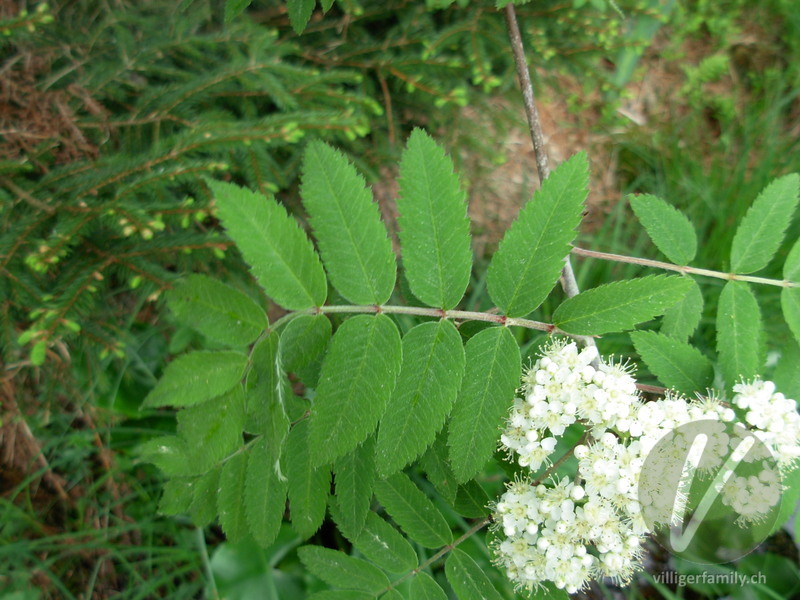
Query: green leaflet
(492, 375)
(381, 543)
(264, 495)
(303, 340)
(786, 375)
(392, 595)
(216, 310)
(299, 13)
(203, 508)
(790, 303)
(196, 377)
(176, 497)
(434, 227)
(670, 230)
(471, 500)
(761, 231)
(212, 430)
(620, 305)
(352, 239)
(167, 452)
(528, 262)
(791, 268)
(279, 253)
(740, 334)
(468, 579)
(430, 376)
(340, 570)
(790, 297)
(413, 511)
(308, 486)
(676, 364)
(355, 479)
(423, 587)
(357, 378)
(682, 319)
(267, 391)
(437, 468)
(233, 8)
(231, 497)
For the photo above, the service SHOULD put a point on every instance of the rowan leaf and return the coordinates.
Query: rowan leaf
(299, 13)
(212, 430)
(264, 494)
(670, 230)
(382, 544)
(303, 340)
(487, 392)
(231, 496)
(203, 508)
(196, 377)
(341, 570)
(429, 380)
(620, 305)
(434, 227)
(528, 262)
(790, 297)
(761, 231)
(355, 480)
(740, 333)
(352, 238)
(216, 310)
(467, 578)
(279, 253)
(357, 379)
(308, 485)
(267, 390)
(676, 364)
(471, 500)
(424, 587)
(413, 511)
(681, 320)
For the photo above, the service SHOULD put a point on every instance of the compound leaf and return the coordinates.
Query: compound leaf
(670, 230)
(355, 479)
(231, 497)
(303, 340)
(299, 13)
(340, 570)
(196, 377)
(740, 334)
(413, 511)
(279, 253)
(212, 430)
(424, 587)
(308, 485)
(682, 319)
(264, 494)
(382, 544)
(357, 379)
(620, 305)
(434, 227)
(352, 239)
(429, 380)
(676, 364)
(216, 310)
(528, 262)
(468, 579)
(761, 231)
(492, 375)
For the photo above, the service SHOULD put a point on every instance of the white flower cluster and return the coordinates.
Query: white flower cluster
(775, 418)
(572, 532)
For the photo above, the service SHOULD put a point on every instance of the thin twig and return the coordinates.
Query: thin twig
(657, 264)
